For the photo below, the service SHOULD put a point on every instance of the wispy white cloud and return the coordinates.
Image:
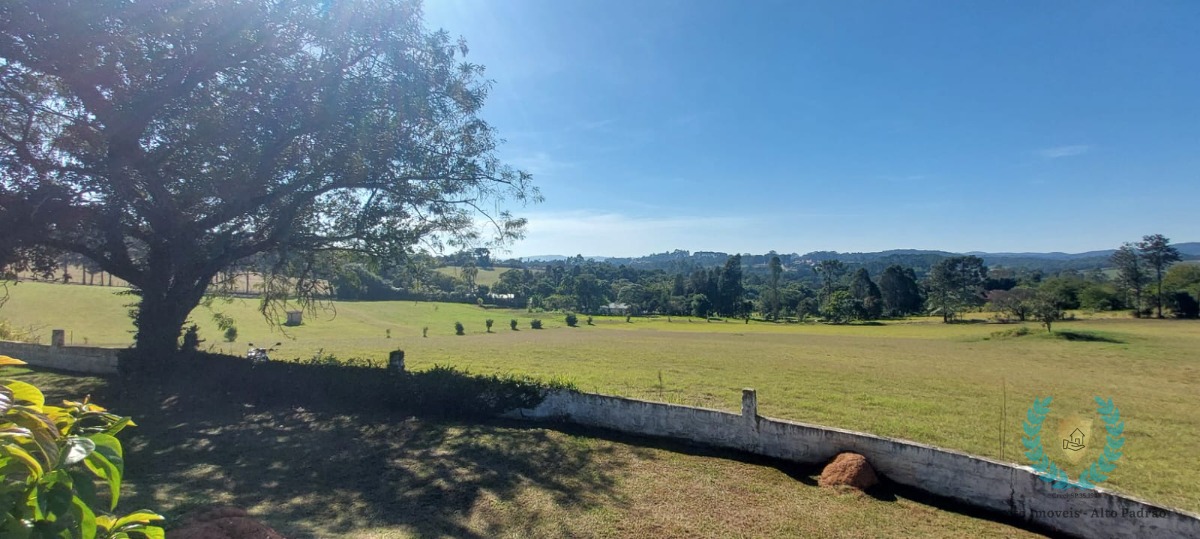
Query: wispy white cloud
(539, 163)
(1064, 151)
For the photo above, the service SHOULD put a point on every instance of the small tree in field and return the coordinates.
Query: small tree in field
(536, 323)
(489, 323)
(1016, 303)
(458, 328)
(572, 320)
(1046, 311)
(512, 324)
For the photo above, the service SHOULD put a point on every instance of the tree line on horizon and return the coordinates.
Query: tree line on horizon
(1144, 279)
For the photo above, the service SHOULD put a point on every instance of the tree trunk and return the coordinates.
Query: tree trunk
(1158, 298)
(161, 315)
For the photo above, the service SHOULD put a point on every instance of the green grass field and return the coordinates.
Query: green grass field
(916, 379)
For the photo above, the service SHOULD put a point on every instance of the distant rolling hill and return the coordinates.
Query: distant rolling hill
(684, 261)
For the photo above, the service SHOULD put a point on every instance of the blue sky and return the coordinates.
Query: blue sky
(848, 125)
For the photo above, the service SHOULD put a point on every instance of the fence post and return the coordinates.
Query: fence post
(396, 362)
(749, 404)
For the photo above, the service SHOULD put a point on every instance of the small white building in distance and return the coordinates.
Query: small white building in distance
(615, 308)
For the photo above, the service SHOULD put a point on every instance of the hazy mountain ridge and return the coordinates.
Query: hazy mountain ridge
(681, 260)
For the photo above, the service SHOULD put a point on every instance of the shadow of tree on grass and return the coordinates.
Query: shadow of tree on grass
(1086, 337)
(320, 473)
(320, 452)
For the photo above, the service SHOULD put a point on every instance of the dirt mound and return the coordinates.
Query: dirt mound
(222, 522)
(849, 469)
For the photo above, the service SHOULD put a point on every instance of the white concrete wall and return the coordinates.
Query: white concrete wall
(86, 359)
(1001, 487)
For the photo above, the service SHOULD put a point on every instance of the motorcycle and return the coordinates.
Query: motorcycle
(259, 356)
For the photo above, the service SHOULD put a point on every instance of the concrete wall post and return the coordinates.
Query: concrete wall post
(749, 404)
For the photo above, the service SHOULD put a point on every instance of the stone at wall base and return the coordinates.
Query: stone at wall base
(850, 470)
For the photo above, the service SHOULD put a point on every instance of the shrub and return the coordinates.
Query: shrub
(589, 321)
(458, 328)
(8, 332)
(355, 385)
(450, 392)
(489, 323)
(191, 339)
(512, 324)
(1015, 332)
(1184, 305)
(322, 358)
(231, 334)
(52, 457)
(425, 331)
(572, 320)
(536, 323)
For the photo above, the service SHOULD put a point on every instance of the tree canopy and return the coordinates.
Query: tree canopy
(955, 284)
(1158, 254)
(165, 140)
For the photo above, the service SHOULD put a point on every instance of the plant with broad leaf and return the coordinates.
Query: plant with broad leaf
(52, 458)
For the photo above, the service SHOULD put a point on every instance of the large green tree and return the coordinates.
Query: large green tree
(867, 293)
(1131, 274)
(900, 291)
(831, 273)
(1157, 254)
(772, 302)
(955, 284)
(731, 289)
(1183, 278)
(165, 140)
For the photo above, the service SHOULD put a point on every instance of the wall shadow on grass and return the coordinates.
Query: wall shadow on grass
(807, 474)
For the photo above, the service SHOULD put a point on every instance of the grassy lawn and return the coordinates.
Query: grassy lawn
(917, 379)
(323, 472)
